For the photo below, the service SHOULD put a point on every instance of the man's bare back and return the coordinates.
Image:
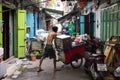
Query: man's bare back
(51, 36)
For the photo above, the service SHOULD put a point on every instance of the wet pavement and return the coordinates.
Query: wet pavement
(66, 73)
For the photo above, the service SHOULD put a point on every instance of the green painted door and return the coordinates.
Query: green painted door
(20, 33)
(0, 25)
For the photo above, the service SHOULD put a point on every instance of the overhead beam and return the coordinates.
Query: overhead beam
(54, 11)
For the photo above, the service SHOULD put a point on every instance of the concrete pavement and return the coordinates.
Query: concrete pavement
(29, 72)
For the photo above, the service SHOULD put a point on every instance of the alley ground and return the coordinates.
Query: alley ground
(66, 73)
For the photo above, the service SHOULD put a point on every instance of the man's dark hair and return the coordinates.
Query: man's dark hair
(55, 28)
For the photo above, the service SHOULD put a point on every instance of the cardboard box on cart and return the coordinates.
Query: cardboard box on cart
(64, 41)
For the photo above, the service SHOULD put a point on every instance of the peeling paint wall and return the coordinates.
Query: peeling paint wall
(89, 9)
(98, 21)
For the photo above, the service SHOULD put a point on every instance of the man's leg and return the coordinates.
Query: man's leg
(41, 60)
(54, 62)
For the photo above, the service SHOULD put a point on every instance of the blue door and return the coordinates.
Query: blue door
(30, 24)
(82, 24)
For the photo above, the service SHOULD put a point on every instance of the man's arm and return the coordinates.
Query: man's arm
(55, 40)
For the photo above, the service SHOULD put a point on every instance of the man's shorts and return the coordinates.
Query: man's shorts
(49, 52)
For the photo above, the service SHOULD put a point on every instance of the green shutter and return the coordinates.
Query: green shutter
(20, 34)
(111, 28)
(110, 21)
(0, 25)
(107, 30)
(115, 28)
(119, 20)
(115, 20)
(101, 25)
(104, 29)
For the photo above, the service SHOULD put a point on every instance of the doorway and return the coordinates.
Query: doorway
(6, 33)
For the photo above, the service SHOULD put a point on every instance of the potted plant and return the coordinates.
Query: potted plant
(36, 54)
(33, 55)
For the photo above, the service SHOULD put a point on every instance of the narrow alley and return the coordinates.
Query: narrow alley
(82, 34)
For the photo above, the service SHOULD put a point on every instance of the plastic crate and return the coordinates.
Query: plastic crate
(35, 45)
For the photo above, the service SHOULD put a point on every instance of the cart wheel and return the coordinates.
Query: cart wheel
(76, 63)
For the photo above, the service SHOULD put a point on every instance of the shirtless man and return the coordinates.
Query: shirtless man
(49, 51)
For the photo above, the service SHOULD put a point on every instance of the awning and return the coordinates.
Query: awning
(68, 16)
(53, 11)
(27, 3)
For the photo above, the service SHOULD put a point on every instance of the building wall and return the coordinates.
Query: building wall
(90, 8)
(108, 20)
(98, 21)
